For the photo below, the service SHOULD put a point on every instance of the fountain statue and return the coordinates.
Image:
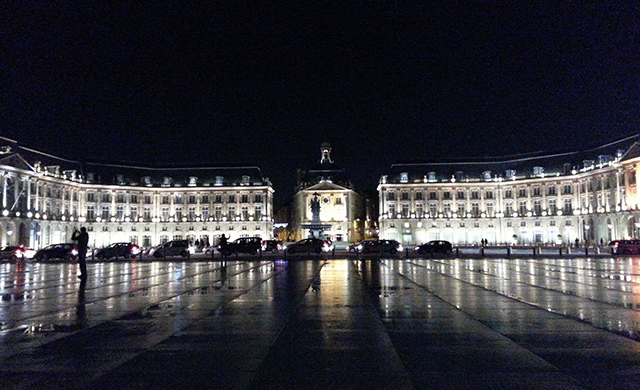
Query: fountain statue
(316, 228)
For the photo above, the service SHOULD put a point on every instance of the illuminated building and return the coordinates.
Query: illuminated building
(341, 206)
(44, 198)
(536, 198)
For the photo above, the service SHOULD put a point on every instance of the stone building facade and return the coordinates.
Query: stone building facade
(538, 198)
(341, 206)
(44, 198)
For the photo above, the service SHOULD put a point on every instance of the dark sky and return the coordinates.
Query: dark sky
(204, 82)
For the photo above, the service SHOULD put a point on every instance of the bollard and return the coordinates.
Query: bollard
(406, 252)
(534, 251)
(457, 252)
(586, 251)
(481, 251)
(508, 251)
(560, 252)
(260, 253)
(333, 252)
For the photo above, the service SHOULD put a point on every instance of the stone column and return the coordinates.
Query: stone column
(16, 193)
(636, 171)
(28, 184)
(4, 191)
(618, 190)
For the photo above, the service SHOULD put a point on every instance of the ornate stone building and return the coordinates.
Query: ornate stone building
(538, 198)
(341, 206)
(44, 198)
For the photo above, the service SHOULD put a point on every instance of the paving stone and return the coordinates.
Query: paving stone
(322, 324)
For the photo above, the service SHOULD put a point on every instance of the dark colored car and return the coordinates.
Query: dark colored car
(314, 245)
(57, 251)
(125, 250)
(625, 247)
(436, 246)
(357, 247)
(171, 248)
(12, 253)
(272, 246)
(250, 245)
(378, 246)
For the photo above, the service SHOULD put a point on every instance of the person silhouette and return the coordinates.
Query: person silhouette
(83, 240)
(223, 245)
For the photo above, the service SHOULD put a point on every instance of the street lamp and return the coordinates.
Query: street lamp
(586, 232)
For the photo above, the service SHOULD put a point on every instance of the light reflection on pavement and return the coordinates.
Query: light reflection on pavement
(429, 323)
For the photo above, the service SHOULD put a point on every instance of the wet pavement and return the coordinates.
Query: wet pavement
(540, 323)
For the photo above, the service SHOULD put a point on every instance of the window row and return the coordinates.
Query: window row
(421, 225)
(510, 209)
(106, 197)
(231, 213)
(509, 193)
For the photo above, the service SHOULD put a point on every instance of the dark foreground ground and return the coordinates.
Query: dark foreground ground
(536, 323)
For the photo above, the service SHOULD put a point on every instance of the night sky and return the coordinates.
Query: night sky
(223, 82)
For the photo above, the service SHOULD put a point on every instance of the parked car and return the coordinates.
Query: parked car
(357, 247)
(208, 250)
(12, 252)
(314, 245)
(250, 245)
(64, 251)
(436, 246)
(28, 252)
(171, 248)
(272, 246)
(125, 250)
(625, 247)
(378, 246)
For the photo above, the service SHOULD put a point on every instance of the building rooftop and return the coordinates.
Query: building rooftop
(520, 166)
(326, 170)
(14, 154)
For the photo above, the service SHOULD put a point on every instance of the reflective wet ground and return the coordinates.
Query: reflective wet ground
(323, 324)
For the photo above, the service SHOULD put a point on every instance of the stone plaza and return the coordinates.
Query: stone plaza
(322, 323)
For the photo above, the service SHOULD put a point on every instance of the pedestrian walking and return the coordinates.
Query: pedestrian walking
(83, 240)
(223, 244)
